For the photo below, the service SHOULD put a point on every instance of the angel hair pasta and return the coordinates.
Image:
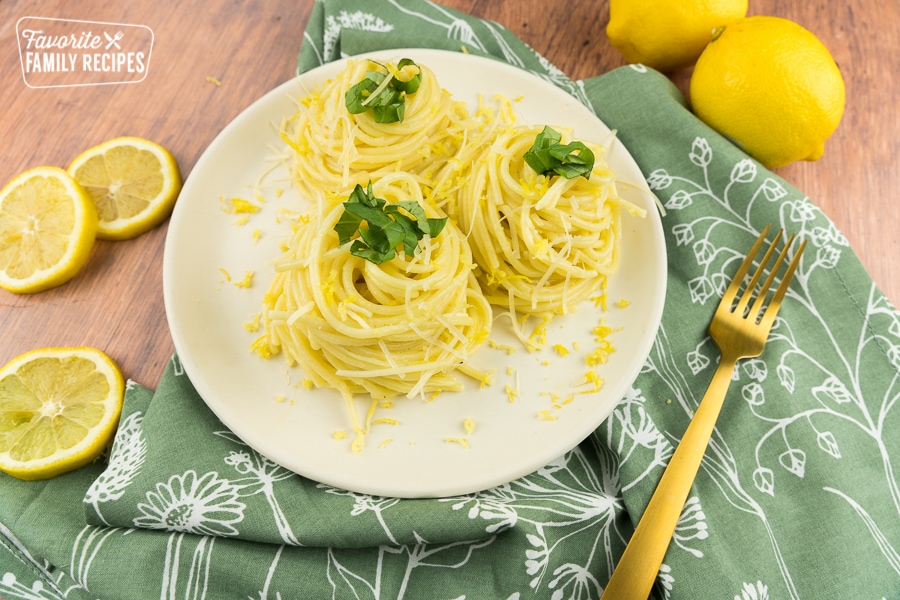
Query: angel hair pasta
(404, 326)
(337, 149)
(543, 243)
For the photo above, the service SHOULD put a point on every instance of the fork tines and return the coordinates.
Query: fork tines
(753, 290)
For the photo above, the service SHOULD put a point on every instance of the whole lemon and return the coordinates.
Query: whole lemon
(772, 87)
(667, 35)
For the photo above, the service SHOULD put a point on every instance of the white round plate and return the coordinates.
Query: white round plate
(412, 458)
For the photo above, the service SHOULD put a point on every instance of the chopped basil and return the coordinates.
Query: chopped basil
(548, 157)
(388, 226)
(384, 92)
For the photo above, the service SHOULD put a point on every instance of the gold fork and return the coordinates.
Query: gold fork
(739, 332)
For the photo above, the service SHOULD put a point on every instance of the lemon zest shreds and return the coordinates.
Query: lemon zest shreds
(237, 206)
(247, 281)
(560, 349)
(461, 441)
(505, 347)
(594, 380)
(547, 415)
(253, 324)
(261, 347)
(511, 393)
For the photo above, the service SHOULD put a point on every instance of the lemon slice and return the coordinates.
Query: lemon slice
(47, 230)
(133, 182)
(58, 410)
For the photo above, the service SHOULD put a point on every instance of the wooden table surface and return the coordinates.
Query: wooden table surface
(116, 302)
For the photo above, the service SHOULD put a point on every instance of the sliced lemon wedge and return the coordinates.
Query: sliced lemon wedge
(59, 407)
(133, 183)
(47, 230)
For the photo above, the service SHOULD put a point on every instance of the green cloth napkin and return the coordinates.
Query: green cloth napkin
(797, 496)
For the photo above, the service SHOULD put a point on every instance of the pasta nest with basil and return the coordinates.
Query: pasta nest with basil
(336, 150)
(542, 244)
(405, 326)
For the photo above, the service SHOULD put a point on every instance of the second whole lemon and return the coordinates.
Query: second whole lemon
(772, 87)
(667, 35)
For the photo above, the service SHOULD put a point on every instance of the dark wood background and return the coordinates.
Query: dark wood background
(116, 302)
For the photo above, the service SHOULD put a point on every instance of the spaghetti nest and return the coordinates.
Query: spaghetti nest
(336, 150)
(400, 327)
(542, 244)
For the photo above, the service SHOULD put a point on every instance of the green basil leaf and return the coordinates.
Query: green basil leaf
(347, 226)
(359, 93)
(391, 113)
(358, 248)
(574, 159)
(383, 94)
(436, 226)
(411, 86)
(414, 209)
(373, 216)
(411, 234)
(387, 225)
(548, 157)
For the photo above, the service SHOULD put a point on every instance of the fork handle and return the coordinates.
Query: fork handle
(636, 571)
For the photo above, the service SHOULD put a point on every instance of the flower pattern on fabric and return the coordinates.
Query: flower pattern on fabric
(36, 591)
(206, 505)
(125, 460)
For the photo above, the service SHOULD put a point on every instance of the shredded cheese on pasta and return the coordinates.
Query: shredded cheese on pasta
(543, 245)
(533, 245)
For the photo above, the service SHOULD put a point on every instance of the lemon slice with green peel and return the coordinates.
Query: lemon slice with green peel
(59, 407)
(133, 183)
(47, 230)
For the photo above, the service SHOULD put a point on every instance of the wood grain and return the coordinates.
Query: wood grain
(116, 302)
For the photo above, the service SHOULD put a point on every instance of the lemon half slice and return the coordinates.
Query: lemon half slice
(47, 229)
(133, 183)
(58, 410)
